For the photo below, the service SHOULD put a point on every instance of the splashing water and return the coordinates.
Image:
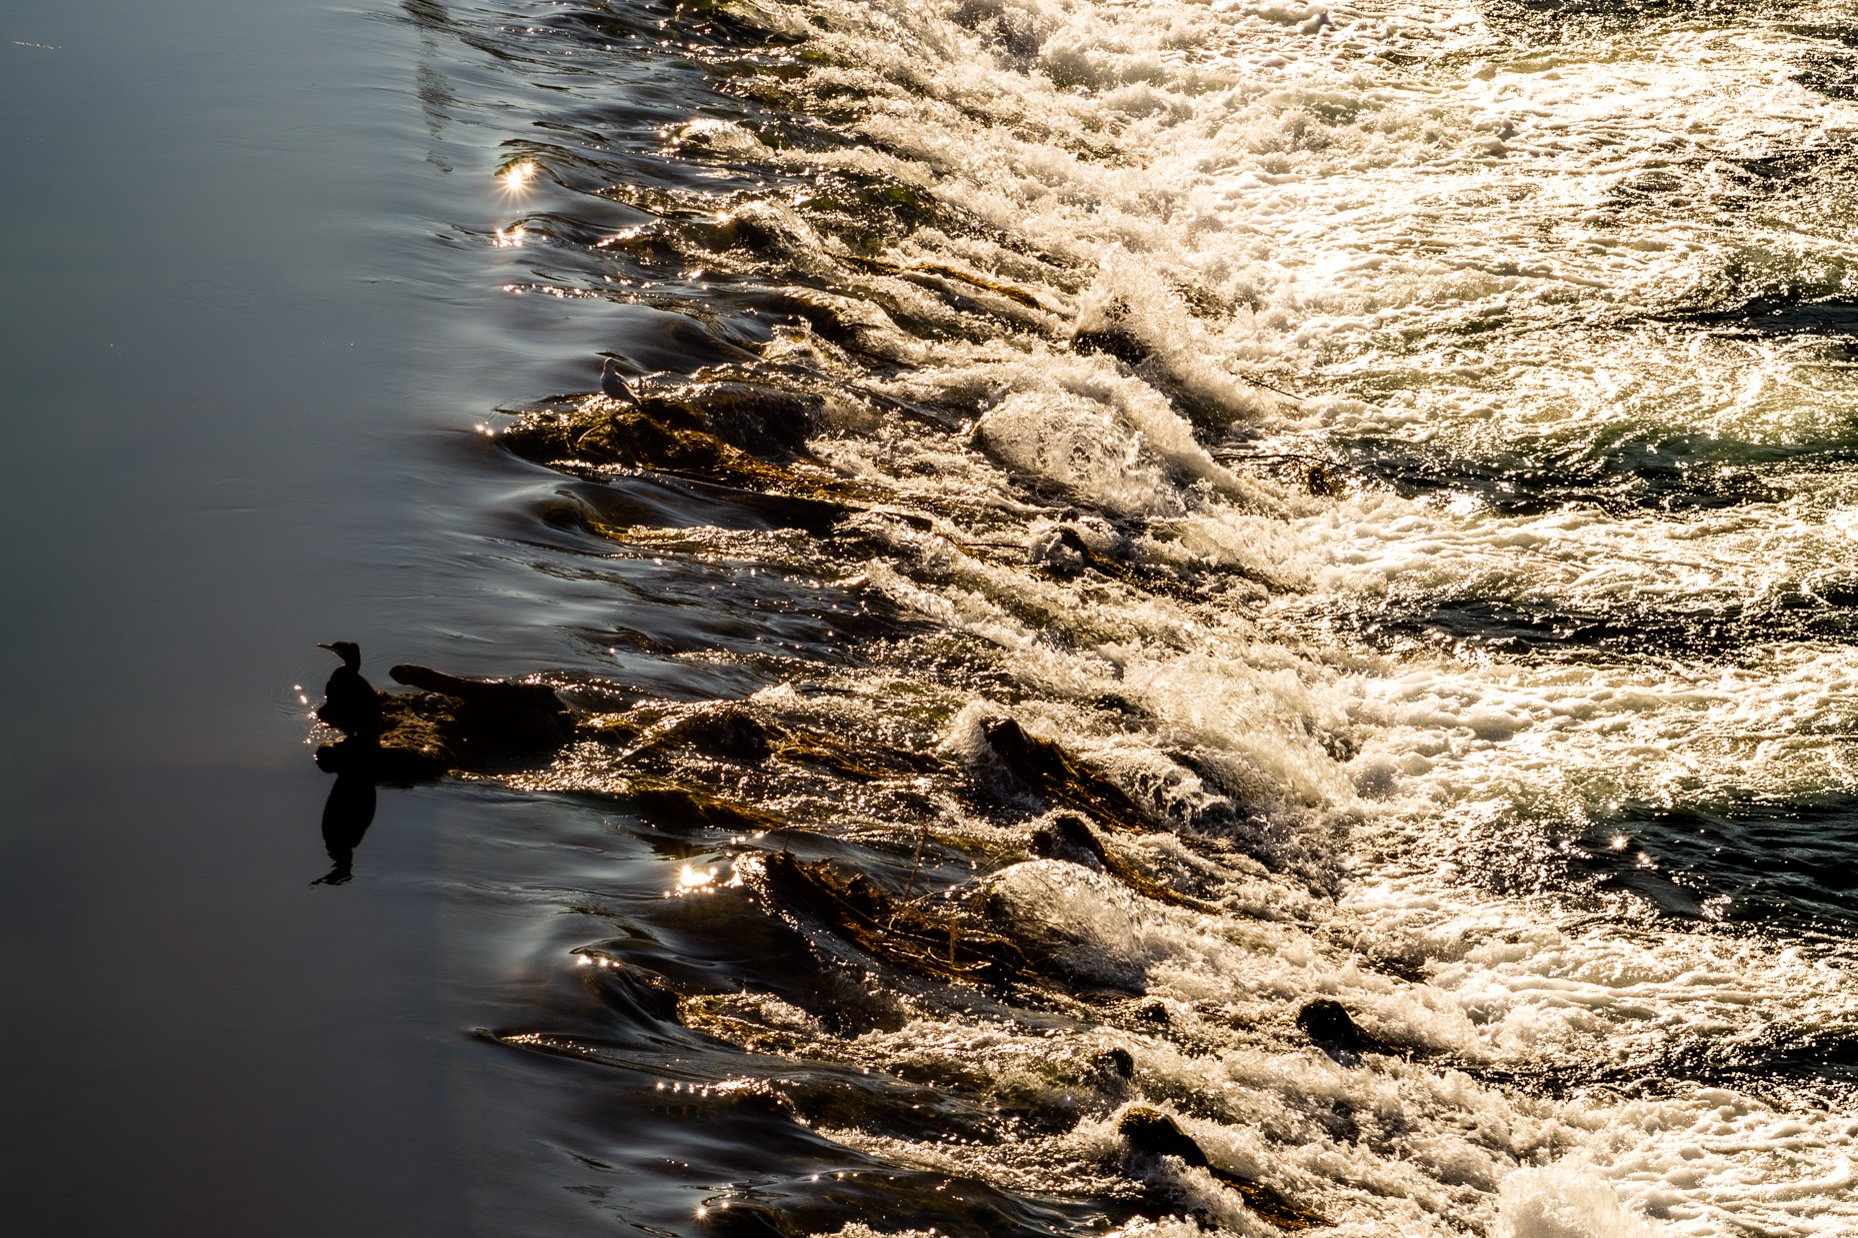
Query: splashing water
(1392, 467)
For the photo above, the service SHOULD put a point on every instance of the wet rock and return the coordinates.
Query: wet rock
(675, 805)
(862, 762)
(742, 734)
(1152, 1133)
(414, 743)
(1328, 1023)
(1109, 333)
(860, 912)
(733, 444)
(496, 719)
(744, 1020)
(1073, 922)
(1052, 772)
(639, 996)
(1120, 1061)
(454, 723)
(728, 732)
(736, 433)
(1068, 838)
(1063, 552)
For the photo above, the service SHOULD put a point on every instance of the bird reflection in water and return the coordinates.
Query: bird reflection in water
(352, 706)
(347, 814)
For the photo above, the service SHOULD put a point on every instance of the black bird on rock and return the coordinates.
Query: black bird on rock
(350, 703)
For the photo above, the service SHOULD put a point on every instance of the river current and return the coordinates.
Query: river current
(1143, 517)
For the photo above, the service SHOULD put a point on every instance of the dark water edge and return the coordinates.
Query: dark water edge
(220, 374)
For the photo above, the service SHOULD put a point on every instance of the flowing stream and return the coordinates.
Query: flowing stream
(1242, 503)
(1275, 571)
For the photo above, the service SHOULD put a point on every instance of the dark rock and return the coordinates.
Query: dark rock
(678, 806)
(496, 719)
(731, 432)
(413, 744)
(740, 445)
(640, 996)
(1107, 335)
(454, 723)
(862, 913)
(730, 732)
(1328, 1023)
(1054, 773)
(1152, 1133)
(1068, 838)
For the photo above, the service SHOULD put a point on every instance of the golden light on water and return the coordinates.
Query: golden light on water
(692, 878)
(518, 175)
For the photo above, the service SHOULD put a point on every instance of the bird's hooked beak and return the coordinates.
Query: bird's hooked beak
(330, 648)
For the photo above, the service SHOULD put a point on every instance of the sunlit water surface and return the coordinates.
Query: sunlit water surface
(1406, 451)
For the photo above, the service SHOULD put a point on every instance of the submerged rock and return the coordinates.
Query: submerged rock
(1073, 922)
(662, 802)
(744, 1220)
(1152, 1133)
(860, 912)
(736, 433)
(1069, 838)
(1048, 769)
(740, 443)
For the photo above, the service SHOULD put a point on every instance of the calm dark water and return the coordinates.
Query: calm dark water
(1139, 519)
(221, 375)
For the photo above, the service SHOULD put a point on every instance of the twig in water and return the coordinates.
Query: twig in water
(921, 842)
(1268, 387)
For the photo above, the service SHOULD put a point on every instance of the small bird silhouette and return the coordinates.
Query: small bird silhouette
(350, 703)
(615, 386)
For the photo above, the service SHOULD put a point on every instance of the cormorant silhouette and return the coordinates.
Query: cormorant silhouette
(614, 385)
(350, 703)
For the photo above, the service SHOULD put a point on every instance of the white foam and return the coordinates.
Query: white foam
(1453, 245)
